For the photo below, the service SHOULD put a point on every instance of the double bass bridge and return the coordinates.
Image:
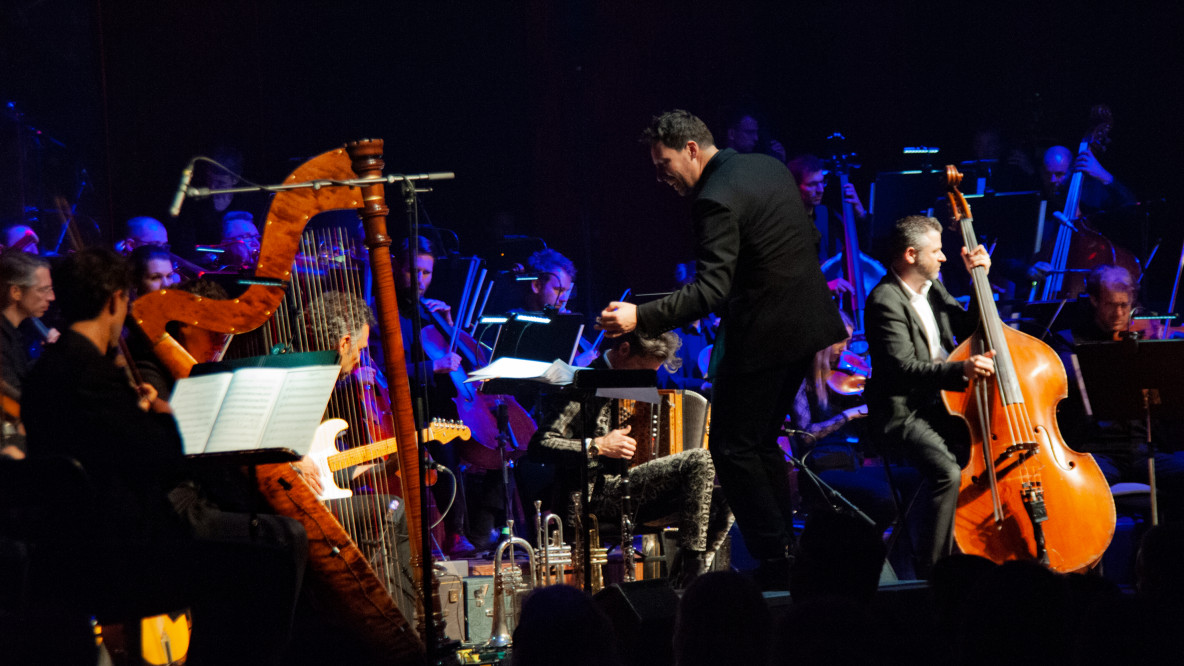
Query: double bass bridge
(1025, 450)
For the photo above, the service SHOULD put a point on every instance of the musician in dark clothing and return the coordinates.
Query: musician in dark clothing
(1101, 192)
(27, 292)
(810, 174)
(912, 326)
(758, 269)
(673, 490)
(78, 403)
(414, 269)
(1119, 447)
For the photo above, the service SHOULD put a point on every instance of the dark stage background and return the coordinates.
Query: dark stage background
(537, 105)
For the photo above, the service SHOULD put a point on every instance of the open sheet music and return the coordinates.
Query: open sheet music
(252, 408)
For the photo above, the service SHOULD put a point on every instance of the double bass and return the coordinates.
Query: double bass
(1077, 246)
(860, 270)
(1024, 495)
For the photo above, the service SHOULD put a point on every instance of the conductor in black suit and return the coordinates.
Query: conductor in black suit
(912, 326)
(758, 269)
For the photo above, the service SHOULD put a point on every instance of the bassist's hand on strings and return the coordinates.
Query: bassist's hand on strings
(980, 257)
(979, 366)
(1089, 165)
(839, 287)
(617, 444)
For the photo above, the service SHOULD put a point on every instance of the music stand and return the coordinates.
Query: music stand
(1124, 380)
(538, 336)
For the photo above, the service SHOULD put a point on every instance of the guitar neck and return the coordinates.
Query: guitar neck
(362, 454)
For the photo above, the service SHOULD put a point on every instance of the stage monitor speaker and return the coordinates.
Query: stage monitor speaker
(643, 615)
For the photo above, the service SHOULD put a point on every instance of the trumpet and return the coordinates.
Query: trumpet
(555, 555)
(509, 582)
(597, 554)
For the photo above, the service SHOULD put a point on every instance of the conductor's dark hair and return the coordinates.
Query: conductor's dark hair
(674, 129)
(910, 232)
(86, 280)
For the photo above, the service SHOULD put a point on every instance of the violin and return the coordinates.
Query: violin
(850, 375)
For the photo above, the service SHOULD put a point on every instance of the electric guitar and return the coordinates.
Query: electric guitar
(328, 459)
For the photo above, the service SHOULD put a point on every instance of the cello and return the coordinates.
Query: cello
(1024, 495)
(476, 409)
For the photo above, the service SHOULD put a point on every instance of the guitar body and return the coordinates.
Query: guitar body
(357, 596)
(324, 444)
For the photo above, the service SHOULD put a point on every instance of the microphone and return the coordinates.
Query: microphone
(182, 190)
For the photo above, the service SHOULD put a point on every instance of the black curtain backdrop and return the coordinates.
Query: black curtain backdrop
(537, 105)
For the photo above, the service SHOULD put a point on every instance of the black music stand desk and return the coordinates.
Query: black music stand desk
(1124, 380)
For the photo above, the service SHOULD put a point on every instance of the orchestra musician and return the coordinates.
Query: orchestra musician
(143, 230)
(757, 268)
(1119, 447)
(678, 489)
(240, 240)
(809, 172)
(28, 291)
(1100, 192)
(556, 275)
(417, 274)
(22, 236)
(77, 403)
(152, 269)
(912, 325)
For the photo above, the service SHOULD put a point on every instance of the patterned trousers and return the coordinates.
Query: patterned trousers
(677, 490)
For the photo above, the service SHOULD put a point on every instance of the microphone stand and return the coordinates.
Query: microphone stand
(404, 180)
(438, 648)
(838, 503)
